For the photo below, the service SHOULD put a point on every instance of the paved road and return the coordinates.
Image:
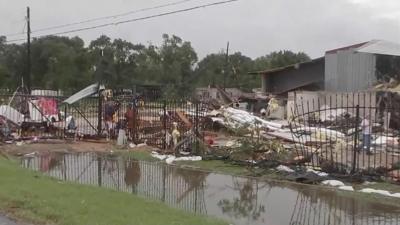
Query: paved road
(6, 221)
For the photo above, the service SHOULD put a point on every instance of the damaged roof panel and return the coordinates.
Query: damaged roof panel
(88, 91)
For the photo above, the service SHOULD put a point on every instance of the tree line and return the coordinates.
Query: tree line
(63, 63)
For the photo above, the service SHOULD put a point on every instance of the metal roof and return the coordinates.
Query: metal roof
(293, 66)
(380, 47)
(333, 51)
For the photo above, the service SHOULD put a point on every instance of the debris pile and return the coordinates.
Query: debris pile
(169, 159)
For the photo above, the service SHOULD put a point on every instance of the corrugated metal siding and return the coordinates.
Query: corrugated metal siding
(348, 71)
(331, 72)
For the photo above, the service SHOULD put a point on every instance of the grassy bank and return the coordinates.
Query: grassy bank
(32, 197)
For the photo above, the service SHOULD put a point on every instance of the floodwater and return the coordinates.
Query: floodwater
(238, 200)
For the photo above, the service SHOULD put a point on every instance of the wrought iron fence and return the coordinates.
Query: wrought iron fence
(144, 119)
(24, 116)
(157, 120)
(348, 133)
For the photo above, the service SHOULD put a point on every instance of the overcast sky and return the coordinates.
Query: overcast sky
(254, 27)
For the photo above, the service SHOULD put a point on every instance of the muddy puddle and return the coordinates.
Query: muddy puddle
(241, 201)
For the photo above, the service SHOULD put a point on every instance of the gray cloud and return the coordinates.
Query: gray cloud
(254, 27)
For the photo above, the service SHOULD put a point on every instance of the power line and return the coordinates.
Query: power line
(115, 16)
(143, 18)
(15, 40)
(104, 17)
(134, 20)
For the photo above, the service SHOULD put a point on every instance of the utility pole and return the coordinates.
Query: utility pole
(226, 64)
(28, 74)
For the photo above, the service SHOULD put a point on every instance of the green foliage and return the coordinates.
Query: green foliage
(59, 62)
(66, 63)
(254, 147)
(214, 68)
(41, 200)
(280, 59)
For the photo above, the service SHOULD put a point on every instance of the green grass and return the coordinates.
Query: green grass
(218, 166)
(32, 197)
(142, 155)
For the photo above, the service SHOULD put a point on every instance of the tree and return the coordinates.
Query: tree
(59, 63)
(148, 67)
(238, 68)
(12, 64)
(101, 57)
(279, 59)
(213, 69)
(65, 63)
(177, 60)
(210, 70)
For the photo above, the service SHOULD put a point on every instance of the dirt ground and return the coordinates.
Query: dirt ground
(56, 146)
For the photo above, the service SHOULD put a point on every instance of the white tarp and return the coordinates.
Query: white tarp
(328, 132)
(169, 159)
(241, 117)
(11, 114)
(88, 91)
(380, 47)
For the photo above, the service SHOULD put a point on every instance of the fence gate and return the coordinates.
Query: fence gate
(85, 113)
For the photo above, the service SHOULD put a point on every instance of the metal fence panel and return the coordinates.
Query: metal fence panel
(349, 135)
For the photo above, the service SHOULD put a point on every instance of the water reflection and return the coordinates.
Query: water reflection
(247, 204)
(239, 200)
(132, 173)
(50, 161)
(195, 181)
